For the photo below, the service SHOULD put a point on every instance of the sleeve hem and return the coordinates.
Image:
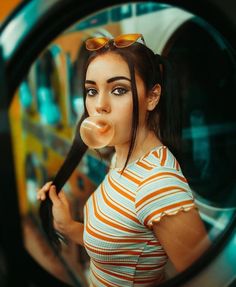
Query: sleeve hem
(170, 213)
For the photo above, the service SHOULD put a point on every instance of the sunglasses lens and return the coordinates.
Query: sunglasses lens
(94, 44)
(126, 40)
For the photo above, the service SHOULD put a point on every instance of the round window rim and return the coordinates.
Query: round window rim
(47, 29)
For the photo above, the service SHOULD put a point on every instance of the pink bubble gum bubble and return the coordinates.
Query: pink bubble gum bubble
(96, 132)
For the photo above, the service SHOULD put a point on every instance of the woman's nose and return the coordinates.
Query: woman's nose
(102, 106)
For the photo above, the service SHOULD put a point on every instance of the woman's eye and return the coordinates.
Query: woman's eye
(119, 91)
(91, 92)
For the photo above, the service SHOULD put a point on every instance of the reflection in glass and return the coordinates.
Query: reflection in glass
(209, 126)
(25, 95)
(48, 86)
(53, 91)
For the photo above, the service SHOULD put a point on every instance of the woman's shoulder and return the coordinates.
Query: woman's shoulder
(157, 160)
(161, 158)
(159, 164)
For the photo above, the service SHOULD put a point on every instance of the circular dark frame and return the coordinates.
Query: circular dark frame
(50, 19)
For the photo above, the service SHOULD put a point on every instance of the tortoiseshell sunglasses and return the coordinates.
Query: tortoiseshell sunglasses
(121, 41)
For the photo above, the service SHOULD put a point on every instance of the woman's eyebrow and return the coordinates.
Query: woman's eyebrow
(90, 82)
(113, 79)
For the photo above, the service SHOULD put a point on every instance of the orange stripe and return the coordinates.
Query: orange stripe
(109, 203)
(149, 163)
(109, 239)
(166, 208)
(134, 173)
(164, 195)
(123, 252)
(116, 263)
(108, 222)
(131, 198)
(159, 174)
(152, 267)
(88, 221)
(176, 165)
(133, 179)
(156, 154)
(114, 274)
(144, 165)
(102, 280)
(153, 243)
(164, 154)
(108, 235)
(154, 254)
(159, 191)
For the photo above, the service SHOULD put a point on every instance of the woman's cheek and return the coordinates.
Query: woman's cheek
(123, 127)
(89, 107)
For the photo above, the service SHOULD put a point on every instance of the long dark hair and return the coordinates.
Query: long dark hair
(74, 156)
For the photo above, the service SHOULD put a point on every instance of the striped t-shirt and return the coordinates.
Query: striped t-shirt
(119, 215)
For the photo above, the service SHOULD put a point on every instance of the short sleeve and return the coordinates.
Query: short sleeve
(164, 193)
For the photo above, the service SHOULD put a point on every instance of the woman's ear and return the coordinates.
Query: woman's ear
(153, 97)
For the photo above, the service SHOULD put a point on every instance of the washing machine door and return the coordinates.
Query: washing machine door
(41, 50)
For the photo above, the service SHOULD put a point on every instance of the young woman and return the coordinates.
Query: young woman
(143, 212)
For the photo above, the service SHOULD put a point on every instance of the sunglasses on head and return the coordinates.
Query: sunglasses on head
(121, 41)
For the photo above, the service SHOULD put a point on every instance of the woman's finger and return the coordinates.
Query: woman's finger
(63, 198)
(47, 185)
(41, 194)
(53, 195)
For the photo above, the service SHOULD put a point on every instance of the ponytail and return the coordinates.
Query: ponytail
(170, 112)
(74, 156)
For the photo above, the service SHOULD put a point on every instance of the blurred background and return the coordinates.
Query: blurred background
(7, 6)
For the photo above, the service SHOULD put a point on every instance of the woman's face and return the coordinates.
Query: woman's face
(108, 93)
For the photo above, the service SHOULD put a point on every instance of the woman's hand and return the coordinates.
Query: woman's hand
(60, 210)
(60, 207)
(63, 221)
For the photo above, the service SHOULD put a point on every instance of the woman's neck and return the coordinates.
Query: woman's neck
(145, 142)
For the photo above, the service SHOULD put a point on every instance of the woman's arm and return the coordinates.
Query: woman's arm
(63, 221)
(183, 237)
